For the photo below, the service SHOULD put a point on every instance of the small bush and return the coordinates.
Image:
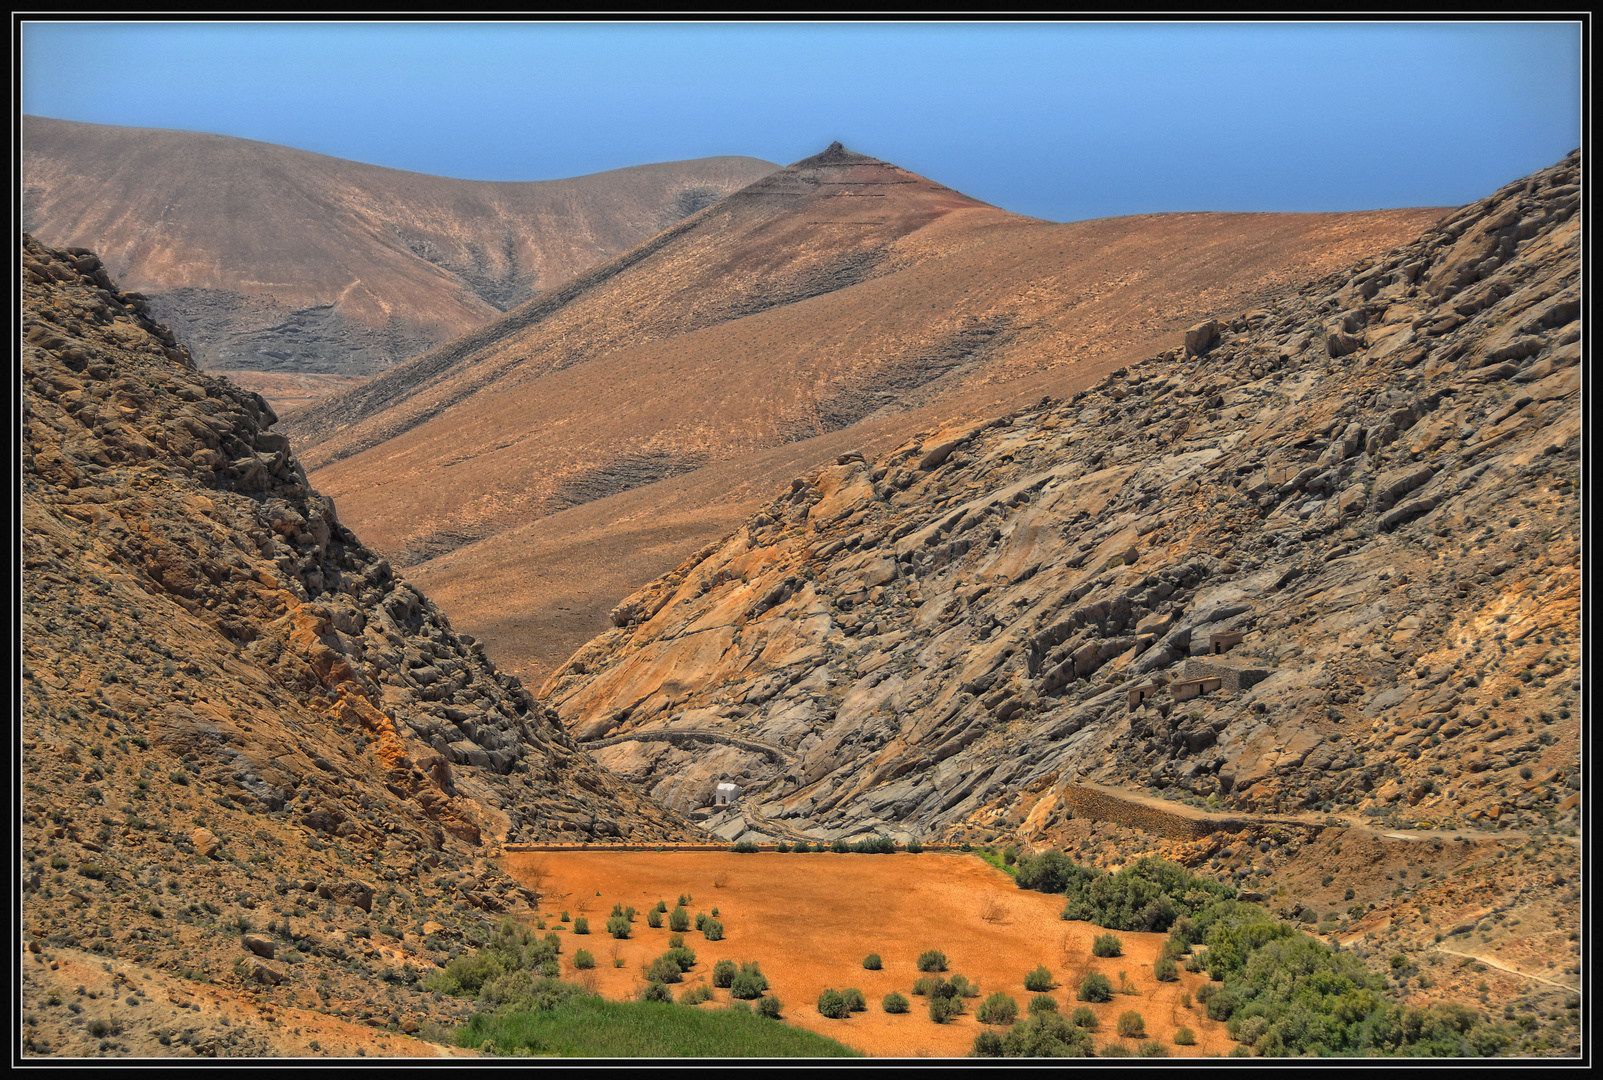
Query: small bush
(723, 974)
(932, 960)
(665, 969)
(744, 847)
(988, 1044)
(679, 920)
(1131, 1026)
(1115, 1050)
(583, 961)
(662, 907)
(1239, 1051)
(1107, 945)
(684, 900)
(1038, 980)
(697, 994)
(875, 845)
(922, 987)
(1153, 1048)
(963, 988)
(1041, 1003)
(656, 991)
(701, 920)
(914, 847)
(872, 962)
(1095, 987)
(1185, 1037)
(943, 1009)
(1185, 999)
(832, 1005)
(676, 941)
(1083, 1018)
(618, 926)
(654, 919)
(1221, 1005)
(1165, 970)
(999, 1008)
(565, 917)
(801, 848)
(92, 870)
(894, 1003)
(770, 1007)
(840, 847)
(749, 983)
(713, 931)
(581, 925)
(782, 848)
(681, 956)
(854, 999)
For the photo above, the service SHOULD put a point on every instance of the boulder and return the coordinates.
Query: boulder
(206, 842)
(1202, 337)
(261, 946)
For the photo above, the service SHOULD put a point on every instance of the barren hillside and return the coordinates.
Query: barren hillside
(1321, 561)
(841, 298)
(237, 719)
(298, 273)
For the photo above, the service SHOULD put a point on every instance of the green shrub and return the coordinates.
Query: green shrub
(696, 994)
(854, 999)
(1131, 1026)
(715, 913)
(770, 1007)
(1038, 980)
(1083, 1017)
(922, 987)
(943, 1009)
(894, 1003)
(581, 925)
(840, 847)
(676, 941)
(801, 848)
(932, 960)
(701, 920)
(999, 1008)
(1239, 1051)
(681, 956)
(748, 983)
(1115, 1050)
(656, 991)
(582, 960)
(875, 845)
(565, 917)
(1148, 895)
(914, 847)
(1107, 945)
(744, 847)
(1095, 987)
(782, 848)
(963, 988)
(713, 931)
(1153, 1048)
(618, 926)
(679, 920)
(832, 1005)
(684, 900)
(1043, 1003)
(662, 907)
(654, 919)
(92, 870)
(1165, 970)
(1221, 1005)
(723, 974)
(665, 969)
(617, 910)
(872, 962)
(1044, 1034)
(1185, 1037)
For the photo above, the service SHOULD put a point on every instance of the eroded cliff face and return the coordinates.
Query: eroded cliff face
(1323, 557)
(232, 710)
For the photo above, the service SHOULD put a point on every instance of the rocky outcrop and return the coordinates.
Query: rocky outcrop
(222, 686)
(1382, 540)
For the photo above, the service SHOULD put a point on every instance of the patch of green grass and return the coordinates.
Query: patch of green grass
(591, 1027)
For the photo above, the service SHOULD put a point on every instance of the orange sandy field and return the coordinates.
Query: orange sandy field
(809, 920)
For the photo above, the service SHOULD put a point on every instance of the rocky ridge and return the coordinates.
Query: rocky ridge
(1322, 558)
(236, 718)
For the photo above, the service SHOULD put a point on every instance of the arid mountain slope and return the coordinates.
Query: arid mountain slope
(276, 264)
(839, 292)
(1323, 558)
(235, 716)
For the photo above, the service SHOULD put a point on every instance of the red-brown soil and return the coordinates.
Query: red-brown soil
(809, 920)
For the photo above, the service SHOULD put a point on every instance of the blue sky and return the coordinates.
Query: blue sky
(1061, 121)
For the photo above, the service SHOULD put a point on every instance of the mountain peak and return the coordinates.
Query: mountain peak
(837, 154)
